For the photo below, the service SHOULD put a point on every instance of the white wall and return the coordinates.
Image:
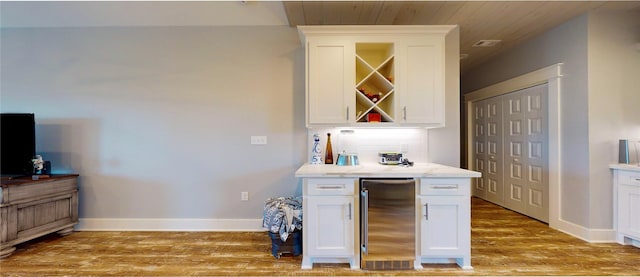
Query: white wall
(614, 101)
(157, 120)
(599, 102)
(445, 143)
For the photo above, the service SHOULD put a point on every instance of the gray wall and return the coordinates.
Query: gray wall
(586, 148)
(157, 120)
(614, 101)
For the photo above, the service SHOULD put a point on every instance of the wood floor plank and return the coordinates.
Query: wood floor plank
(503, 243)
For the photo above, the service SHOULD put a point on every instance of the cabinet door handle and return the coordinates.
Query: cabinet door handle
(349, 211)
(404, 112)
(426, 211)
(331, 187)
(347, 113)
(445, 187)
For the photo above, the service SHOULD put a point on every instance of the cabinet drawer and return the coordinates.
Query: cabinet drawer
(330, 186)
(445, 186)
(630, 178)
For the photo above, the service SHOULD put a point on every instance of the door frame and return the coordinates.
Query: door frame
(552, 76)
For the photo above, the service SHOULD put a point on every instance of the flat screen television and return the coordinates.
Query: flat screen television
(18, 139)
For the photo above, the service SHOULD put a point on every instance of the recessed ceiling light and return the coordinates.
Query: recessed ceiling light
(486, 43)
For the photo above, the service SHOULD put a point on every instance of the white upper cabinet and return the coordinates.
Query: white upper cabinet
(375, 75)
(422, 96)
(328, 86)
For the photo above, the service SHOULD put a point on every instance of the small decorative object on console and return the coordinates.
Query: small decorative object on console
(38, 165)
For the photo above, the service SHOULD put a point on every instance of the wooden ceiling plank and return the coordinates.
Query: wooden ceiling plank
(445, 12)
(351, 11)
(407, 14)
(332, 12)
(295, 14)
(479, 26)
(313, 12)
(465, 13)
(425, 15)
(484, 28)
(389, 12)
(494, 27)
(370, 12)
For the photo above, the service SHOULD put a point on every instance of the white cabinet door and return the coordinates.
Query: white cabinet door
(629, 210)
(330, 79)
(421, 80)
(329, 226)
(445, 226)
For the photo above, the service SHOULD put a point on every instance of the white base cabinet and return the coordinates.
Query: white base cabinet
(627, 206)
(444, 222)
(329, 224)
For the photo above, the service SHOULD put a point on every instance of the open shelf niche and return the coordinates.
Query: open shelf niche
(374, 88)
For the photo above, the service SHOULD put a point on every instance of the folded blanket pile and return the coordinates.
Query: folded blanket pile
(282, 215)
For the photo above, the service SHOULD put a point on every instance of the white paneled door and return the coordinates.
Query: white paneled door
(512, 152)
(537, 145)
(479, 147)
(493, 179)
(488, 149)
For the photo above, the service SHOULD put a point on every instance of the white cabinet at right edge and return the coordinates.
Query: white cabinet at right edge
(443, 222)
(626, 182)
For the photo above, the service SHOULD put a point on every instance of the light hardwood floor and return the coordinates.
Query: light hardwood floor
(503, 243)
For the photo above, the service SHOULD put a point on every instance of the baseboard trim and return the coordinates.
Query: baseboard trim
(586, 234)
(169, 224)
(255, 225)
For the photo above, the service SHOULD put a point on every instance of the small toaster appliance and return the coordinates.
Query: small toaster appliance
(389, 158)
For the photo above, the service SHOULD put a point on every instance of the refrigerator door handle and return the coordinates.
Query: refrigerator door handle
(364, 227)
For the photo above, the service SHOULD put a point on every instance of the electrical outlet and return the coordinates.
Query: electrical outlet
(244, 196)
(258, 139)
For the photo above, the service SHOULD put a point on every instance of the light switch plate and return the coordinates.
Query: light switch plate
(258, 139)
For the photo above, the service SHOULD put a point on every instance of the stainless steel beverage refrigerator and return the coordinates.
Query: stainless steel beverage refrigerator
(387, 223)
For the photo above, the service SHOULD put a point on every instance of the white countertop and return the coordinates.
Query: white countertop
(629, 167)
(386, 171)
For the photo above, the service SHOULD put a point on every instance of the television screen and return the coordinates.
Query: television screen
(18, 139)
